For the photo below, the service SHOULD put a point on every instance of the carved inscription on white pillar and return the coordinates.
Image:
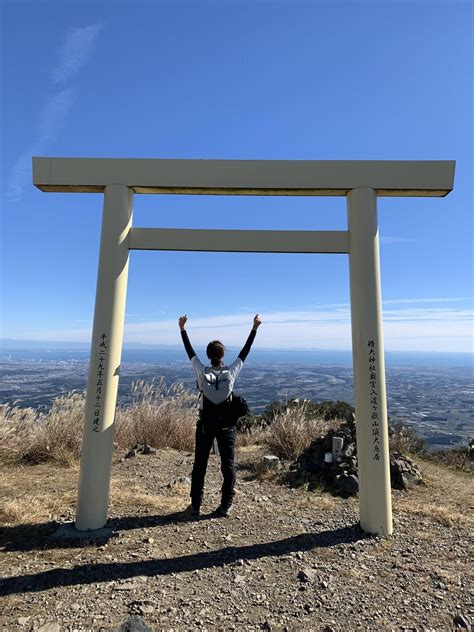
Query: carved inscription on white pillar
(101, 350)
(374, 400)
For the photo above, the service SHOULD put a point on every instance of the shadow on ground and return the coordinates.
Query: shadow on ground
(104, 572)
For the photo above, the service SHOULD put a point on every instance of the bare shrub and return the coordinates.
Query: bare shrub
(458, 458)
(405, 439)
(27, 436)
(255, 436)
(291, 431)
(160, 416)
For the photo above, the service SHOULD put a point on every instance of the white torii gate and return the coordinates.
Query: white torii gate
(360, 181)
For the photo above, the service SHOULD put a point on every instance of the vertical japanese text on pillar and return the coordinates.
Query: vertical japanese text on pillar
(374, 402)
(102, 353)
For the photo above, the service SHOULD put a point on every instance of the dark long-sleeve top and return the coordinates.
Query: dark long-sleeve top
(242, 355)
(187, 345)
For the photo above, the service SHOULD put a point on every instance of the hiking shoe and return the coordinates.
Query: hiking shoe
(191, 513)
(224, 511)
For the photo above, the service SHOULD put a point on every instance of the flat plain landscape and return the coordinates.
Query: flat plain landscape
(438, 401)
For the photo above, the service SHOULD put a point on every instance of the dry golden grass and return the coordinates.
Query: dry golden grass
(158, 416)
(315, 502)
(445, 498)
(443, 515)
(27, 436)
(30, 437)
(291, 432)
(123, 496)
(31, 495)
(36, 495)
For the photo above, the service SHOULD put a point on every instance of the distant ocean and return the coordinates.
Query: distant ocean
(257, 356)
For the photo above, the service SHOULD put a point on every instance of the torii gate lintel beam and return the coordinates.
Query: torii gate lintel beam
(400, 178)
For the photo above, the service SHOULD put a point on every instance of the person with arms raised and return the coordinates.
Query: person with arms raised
(216, 418)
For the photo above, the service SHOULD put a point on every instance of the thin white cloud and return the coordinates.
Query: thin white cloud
(432, 314)
(425, 300)
(396, 301)
(53, 117)
(76, 49)
(420, 329)
(51, 123)
(20, 174)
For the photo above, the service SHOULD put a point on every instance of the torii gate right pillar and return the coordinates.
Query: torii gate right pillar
(369, 366)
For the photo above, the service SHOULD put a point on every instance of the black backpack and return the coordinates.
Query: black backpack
(239, 407)
(227, 412)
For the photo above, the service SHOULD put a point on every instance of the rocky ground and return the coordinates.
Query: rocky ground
(286, 559)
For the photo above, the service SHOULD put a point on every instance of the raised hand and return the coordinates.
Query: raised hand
(182, 321)
(256, 322)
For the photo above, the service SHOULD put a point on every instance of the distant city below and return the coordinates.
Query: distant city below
(432, 392)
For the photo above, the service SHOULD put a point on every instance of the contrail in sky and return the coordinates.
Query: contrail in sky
(76, 50)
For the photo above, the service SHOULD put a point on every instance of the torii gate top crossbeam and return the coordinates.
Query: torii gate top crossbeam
(404, 178)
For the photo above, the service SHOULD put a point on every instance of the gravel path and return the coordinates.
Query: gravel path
(286, 559)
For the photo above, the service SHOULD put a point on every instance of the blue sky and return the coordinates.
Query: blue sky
(261, 80)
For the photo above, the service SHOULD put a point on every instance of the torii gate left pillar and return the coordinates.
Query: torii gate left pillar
(360, 181)
(104, 366)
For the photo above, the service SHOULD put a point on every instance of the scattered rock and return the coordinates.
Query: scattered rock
(348, 484)
(133, 624)
(180, 480)
(144, 606)
(270, 462)
(341, 475)
(403, 471)
(292, 562)
(49, 627)
(140, 448)
(307, 574)
(461, 621)
(125, 586)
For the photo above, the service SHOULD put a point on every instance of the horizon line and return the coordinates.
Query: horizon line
(142, 346)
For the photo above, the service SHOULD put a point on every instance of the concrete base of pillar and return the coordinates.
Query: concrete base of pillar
(68, 531)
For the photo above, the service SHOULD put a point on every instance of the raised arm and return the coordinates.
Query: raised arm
(246, 348)
(184, 335)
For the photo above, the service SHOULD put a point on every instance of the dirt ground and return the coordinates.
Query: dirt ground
(286, 558)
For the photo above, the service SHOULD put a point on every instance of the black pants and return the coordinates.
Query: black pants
(206, 431)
